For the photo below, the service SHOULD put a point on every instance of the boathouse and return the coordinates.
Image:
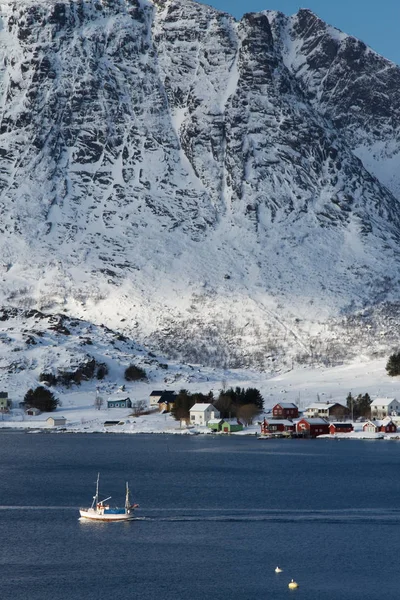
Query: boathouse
(277, 426)
(340, 428)
(312, 427)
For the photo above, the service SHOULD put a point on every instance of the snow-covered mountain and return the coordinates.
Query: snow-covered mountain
(224, 192)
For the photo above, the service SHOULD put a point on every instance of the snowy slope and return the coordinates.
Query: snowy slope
(195, 182)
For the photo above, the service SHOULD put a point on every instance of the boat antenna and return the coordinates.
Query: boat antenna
(96, 497)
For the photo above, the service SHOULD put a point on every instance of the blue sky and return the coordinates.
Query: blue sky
(377, 23)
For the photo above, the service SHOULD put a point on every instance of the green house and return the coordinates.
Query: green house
(215, 424)
(230, 426)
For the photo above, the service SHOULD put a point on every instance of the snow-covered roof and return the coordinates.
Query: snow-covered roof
(315, 421)
(215, 421)
(382, 401)
(323, 405)
(279, 422)
(286, 405)
(201, 407)
(384, 422)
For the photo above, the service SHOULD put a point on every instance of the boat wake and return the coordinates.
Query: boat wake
(277, 516)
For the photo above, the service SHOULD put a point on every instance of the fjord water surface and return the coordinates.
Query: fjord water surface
(217, 515)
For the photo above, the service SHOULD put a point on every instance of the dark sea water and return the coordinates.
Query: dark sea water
(217, 515)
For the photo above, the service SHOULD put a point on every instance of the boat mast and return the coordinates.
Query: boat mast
(127, 500)
(96, 497)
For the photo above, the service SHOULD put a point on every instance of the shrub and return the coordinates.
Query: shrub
(102, 371)
(134, 373)
(49, 378)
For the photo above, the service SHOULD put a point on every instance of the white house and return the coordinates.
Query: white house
(384, 407)
(325, 410)
(201, 413)
(56, 421)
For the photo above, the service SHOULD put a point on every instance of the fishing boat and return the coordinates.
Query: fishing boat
(101, 510)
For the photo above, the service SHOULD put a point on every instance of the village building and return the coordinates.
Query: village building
(202, 412)
(215, 424)
(327, 410)
(119, 403)
(231, 425)
(166, 402)
(277, 426)
(111, 423)
(312, 427)
(285, 410)
(370, 427)
(340, 428)
(387, 426)
(56, 421)
(32, 411)
(384, 407)
(155, 397)
(5, 403)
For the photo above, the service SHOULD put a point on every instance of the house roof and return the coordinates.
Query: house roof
(343, 425)
(279, 422)
(385, 422)
(163, 392)
(215, 421)
(121, 399)
(382, 401)
(286, 405)
(202, 407)
(231, 421)
(325, 405)
(55, 419)
(315, 421)
(3, 395)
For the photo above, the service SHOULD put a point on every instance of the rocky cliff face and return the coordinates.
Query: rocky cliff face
(224, 191)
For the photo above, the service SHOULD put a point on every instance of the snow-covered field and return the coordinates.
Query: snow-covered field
(302, 386)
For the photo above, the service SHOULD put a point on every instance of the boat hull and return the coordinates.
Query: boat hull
(93, 515)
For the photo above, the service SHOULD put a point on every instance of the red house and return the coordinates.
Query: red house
(285, 410)
(340, 428)
(312, 427)
(387, 426)
(277, 426)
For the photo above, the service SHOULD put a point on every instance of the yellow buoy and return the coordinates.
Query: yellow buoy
(278, 570)
(293, 585)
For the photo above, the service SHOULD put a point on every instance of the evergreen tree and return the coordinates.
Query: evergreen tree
(41, 398)
(393, 365)
(182, 405)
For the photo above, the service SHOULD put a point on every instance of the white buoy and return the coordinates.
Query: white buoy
(293, 585)
(278, 570)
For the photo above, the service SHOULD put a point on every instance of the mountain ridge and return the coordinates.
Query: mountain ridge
(225, 191)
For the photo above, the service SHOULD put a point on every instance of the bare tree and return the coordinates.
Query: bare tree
(98, 401)
(246, 413)
(139, 408)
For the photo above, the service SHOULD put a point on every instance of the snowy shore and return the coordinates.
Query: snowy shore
(301, 386)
